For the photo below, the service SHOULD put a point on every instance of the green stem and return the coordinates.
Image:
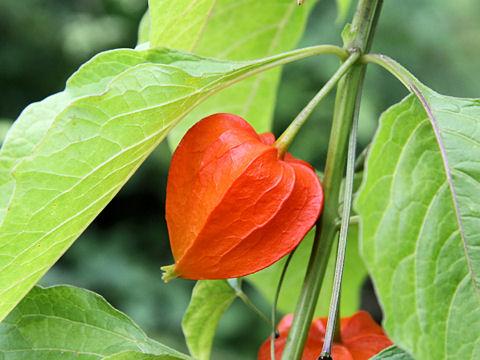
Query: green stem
(406, 78)
(284, 141)
(333, 325)
(348, 91)
(246, 300)
(275, 302)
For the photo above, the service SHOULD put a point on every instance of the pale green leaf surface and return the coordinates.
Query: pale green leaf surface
(210, 299)
(4, 126)
(179, 24)
(144, 29)
(67, 156)
(135, 355)
(392, 353)
(354, 275)
(420, 211)
(65, 322)
(234, 30)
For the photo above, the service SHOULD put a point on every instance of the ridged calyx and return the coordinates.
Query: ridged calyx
(233, 206)
(361, 338)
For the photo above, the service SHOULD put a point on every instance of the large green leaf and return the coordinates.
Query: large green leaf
(135, 355)
(67, 156)
(65, 323)
(210, 299)
(179, 24)
(144, 30)
(4, 126)
(420, 211)
(392, 353)
(354, 275)
(234, 30)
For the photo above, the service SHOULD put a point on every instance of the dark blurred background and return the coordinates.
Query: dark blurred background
(43, 41)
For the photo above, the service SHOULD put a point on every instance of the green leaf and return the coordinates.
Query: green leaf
(67, 156)
(134, 355)
(392, 353)
(234, 30)
(65, 322)
(4, 126)
(179, 24)
(420, 212)
(144, 29)
(210, 299)
(354, 275)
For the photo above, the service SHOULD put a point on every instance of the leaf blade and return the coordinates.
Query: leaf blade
(134, 355)
(392, 353)
(255, 29)
(66, 157)
(210, 299)
(72, 323)
(418, 253)
(178, 24)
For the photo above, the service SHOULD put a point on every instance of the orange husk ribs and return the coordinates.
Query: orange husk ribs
(361, 338)
(233, 206)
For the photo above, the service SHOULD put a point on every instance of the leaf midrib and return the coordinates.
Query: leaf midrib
(443, 153)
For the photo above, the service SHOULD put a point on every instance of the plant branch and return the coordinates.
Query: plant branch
(246, 300)
(274, 305)
(349, 89)
(334, 311)
(284, 141)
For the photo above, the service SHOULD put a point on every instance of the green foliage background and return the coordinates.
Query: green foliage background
(43, 42)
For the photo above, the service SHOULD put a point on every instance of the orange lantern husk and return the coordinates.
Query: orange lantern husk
(233, 206)
(361, 338)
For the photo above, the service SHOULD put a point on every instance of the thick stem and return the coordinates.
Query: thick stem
(332, 332)
(359, 37)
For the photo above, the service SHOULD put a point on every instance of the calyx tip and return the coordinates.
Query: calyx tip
(169, 273)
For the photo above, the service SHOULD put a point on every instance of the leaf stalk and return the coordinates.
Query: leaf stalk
(285, 140)
(246, 300)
